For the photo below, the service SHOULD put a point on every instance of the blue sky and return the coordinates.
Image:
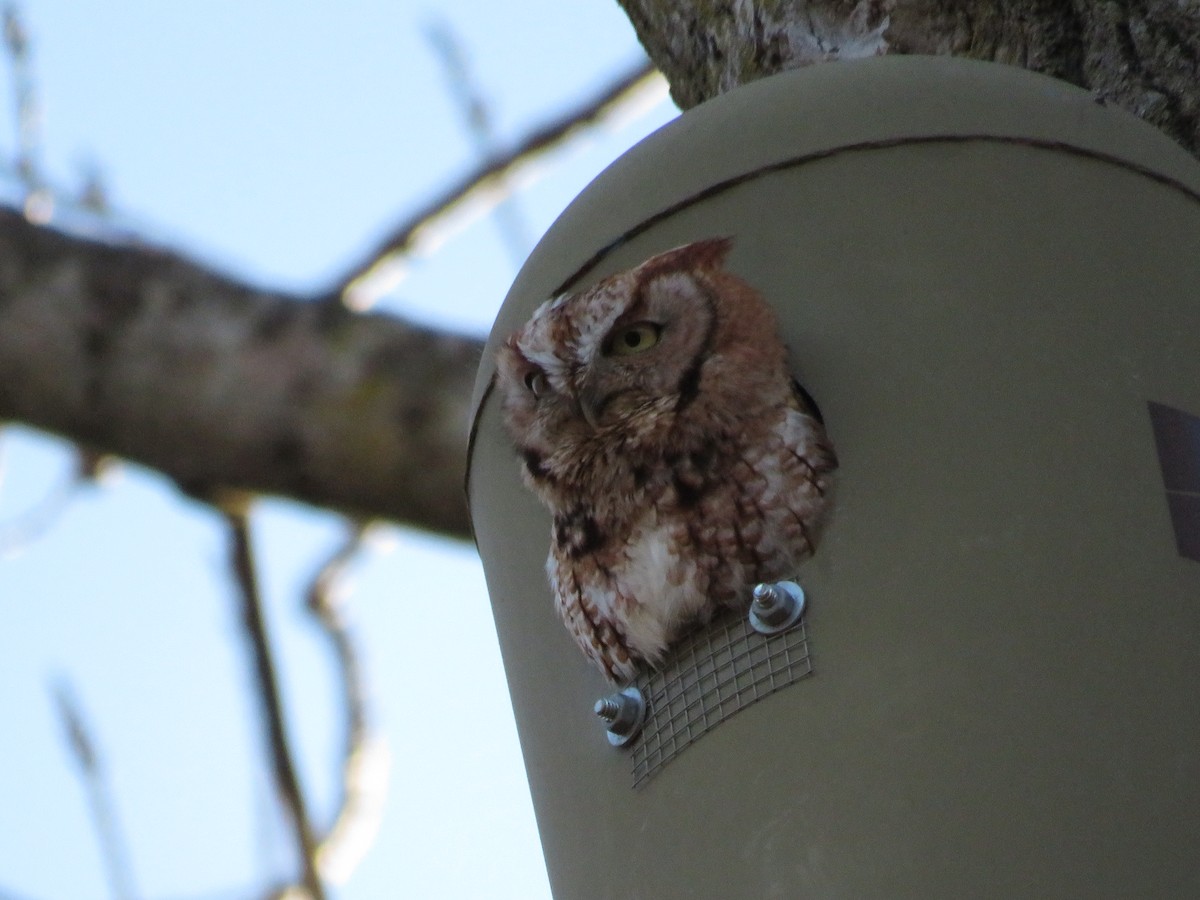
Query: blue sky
(275, 141)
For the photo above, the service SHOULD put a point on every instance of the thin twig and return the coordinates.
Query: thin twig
(363, 784)
(39, 201)
(43, 200)
(104, 817)
(267, 684)
(477, 116)
(486, 186)
(23, 529)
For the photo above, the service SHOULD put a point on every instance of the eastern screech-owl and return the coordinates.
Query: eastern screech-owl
(657, 420)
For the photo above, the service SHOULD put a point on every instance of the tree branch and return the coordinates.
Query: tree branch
(104, 818)
(363, 783)
(482, 189)
(140, 353)
(21, 531)
(287, 782)
(477, 117)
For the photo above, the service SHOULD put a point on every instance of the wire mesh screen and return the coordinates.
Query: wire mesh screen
(719, 671)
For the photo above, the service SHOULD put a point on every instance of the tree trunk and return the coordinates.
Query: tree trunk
(1143, 55)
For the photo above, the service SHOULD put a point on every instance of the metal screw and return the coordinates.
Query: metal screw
(623, 713)
(608, 709)
(776, 607)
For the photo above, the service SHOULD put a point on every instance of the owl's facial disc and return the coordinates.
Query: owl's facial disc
(624, 378)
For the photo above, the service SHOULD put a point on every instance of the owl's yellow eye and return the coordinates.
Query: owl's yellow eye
(634, 339)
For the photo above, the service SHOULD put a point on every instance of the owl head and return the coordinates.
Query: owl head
(649, 361)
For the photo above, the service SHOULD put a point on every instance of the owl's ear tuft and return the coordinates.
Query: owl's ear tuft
(706, 254)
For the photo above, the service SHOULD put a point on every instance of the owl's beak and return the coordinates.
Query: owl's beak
(589, 412)
(590, 405)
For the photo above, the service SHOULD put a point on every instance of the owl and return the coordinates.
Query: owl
(655, 417)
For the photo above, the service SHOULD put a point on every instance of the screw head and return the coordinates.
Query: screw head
(624, 713)
(607, 709)
(776, 607)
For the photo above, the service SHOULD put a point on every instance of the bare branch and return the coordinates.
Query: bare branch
(484, 188)
(24, 529)
(39, 201)
(266, 684)
(104, 817)
(227, 388)
(477, 116)
(21, 531)
(145, 355)
(363, 783)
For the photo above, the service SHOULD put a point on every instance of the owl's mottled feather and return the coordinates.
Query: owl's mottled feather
(656, 419)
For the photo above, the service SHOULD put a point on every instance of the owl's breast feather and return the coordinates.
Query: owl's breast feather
(655, 586)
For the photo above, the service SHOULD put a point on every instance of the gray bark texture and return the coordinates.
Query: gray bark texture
(1143, 55)
(226, 388)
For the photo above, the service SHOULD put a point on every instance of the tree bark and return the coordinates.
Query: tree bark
(222, 387)
(1143, 55)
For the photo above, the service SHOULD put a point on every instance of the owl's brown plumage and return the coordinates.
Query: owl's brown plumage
(658, 422)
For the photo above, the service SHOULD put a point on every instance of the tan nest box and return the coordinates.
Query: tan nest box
(991, 285)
